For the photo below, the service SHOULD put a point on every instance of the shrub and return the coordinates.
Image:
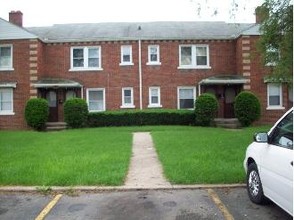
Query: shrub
(141, 117)
(206, 107)
(36, 113)
(76, 113)
(247, 108)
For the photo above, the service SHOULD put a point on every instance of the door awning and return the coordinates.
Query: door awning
(226, 79)
(57, 83)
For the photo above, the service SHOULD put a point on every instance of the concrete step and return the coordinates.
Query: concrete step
(56, 126)
(230, 123)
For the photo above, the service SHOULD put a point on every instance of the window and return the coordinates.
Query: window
(6, 57)
(70, 94)
(282, 135)
(86, 58)
(272, 56)
(274, 96)
(6, 101)
(194, 57)
(153, 55)
(186, 97)
(126, 55)
(127, 98)
(96, 100)
(154, 97)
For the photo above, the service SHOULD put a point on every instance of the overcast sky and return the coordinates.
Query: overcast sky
(49, 12)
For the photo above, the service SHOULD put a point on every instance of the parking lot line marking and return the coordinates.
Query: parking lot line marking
(48, 208)
(213, 195)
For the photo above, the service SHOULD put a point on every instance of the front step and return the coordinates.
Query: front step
(56, 126)
(230, 123)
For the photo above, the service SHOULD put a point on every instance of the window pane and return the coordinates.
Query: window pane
(5, 51)
(186, 103)
(274, 100)
(93, 53)
(186, 94)
(96, 101)
(274, 89)
(5, 99)
(274, 94)
(126, 54)
(127, 92)
(201, 56)
(186, 55)
(5, 57)
(154, 99)
(153, 58)
(78, 57)
(93, 62)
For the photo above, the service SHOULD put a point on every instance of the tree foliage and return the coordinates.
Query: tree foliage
(276, 41)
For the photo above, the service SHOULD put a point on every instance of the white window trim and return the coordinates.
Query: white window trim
(104, 101)
(152, 105)
(86, 68)
(149, 56)
(178, 95)
(8, 68)
(122, 63)
(8, 112)
(275, 107)
(194, 64)
(127, 105)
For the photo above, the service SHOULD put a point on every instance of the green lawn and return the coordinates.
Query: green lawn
(192, 155)
(100, 156)
(72, 157)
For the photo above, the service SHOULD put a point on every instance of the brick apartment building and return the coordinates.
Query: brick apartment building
(117, 66)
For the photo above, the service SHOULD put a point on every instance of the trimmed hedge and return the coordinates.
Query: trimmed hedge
(247, 108)
(36, 113)
(76, 113)
(206, 106)
(141, 117)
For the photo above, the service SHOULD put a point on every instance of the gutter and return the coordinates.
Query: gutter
(140, 75)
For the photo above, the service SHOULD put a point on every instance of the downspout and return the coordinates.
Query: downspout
(140, 76)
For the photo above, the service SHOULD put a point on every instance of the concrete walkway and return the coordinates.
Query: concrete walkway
(145, 169)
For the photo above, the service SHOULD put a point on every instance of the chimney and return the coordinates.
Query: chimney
(261, 13)
(15, 17)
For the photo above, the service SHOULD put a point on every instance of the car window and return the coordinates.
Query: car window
(282, 134)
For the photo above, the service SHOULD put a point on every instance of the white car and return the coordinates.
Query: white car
(269, 165)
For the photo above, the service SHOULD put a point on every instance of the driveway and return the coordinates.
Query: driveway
(138, 204)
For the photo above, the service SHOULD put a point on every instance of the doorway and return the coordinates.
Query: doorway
(51, 96)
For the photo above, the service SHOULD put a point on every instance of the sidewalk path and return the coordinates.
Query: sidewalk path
(145, 169)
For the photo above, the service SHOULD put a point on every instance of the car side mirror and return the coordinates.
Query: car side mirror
(261, 138)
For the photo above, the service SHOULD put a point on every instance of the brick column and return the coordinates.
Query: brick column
(246, 62)
(33, 62)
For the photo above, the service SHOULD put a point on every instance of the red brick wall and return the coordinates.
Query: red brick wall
(257, 85)
(53, 60)
(21, 93)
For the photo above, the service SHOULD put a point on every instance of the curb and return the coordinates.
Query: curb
(95, 189)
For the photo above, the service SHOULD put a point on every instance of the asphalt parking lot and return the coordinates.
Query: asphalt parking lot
(180, 204)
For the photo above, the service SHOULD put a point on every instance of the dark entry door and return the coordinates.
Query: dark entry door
(230, 94)
(51, 97)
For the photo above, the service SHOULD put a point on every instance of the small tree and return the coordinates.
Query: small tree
(247, 108)
(206, 107)
(36, 113)
(76, 112)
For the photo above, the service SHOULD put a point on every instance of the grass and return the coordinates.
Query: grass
(101, 156)
(73, 157)
(192, 155)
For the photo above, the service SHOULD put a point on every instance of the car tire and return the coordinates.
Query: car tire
(254, 186)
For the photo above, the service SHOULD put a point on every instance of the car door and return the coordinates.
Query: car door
(276, 168)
